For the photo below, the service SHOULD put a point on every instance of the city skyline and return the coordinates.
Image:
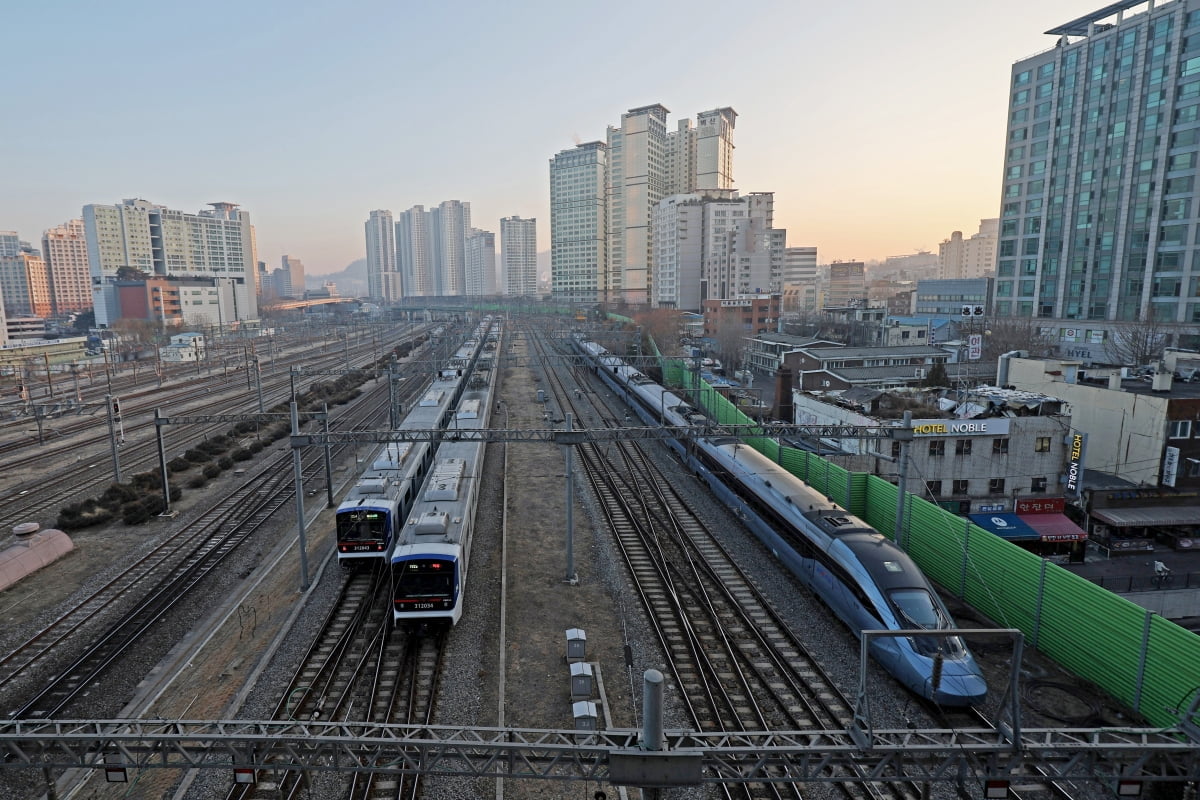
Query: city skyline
(880, 129)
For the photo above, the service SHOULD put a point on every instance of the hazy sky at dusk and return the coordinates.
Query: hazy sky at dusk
(879, 125)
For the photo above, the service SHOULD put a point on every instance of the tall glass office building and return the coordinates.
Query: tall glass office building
(1099, 206)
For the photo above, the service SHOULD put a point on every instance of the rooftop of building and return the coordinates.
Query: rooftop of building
(1080, 25)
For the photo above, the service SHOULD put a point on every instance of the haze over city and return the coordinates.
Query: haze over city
(878, 126)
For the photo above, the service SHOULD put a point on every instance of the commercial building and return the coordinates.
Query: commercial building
(847, 285)
(1098, 207)
(948, 297)
(138, 240)
(518, 257)
(65, 249)
(1136, 468)
(983, 451)
(383, 277)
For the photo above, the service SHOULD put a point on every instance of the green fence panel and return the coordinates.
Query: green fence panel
(1172, 671)
(1092, 632)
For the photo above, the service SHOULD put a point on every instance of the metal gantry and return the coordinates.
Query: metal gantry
(1099, 755)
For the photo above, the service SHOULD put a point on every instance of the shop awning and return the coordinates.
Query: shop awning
(1007, 526)
(1149, 515)
(1055, 527)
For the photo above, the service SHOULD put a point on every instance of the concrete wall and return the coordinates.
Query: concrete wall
(1126, 431)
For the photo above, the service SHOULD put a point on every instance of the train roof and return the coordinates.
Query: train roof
(889, 566)
(836, 521)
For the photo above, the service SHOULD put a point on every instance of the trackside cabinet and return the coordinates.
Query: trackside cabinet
(576, 645)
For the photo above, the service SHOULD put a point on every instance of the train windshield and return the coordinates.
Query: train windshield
(916, 608)
(362, 525)
(420, 581)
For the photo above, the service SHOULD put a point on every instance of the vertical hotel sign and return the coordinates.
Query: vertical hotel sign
(1170, 467)
(1076, 447)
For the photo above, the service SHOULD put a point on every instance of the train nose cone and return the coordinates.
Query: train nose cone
(961, 690)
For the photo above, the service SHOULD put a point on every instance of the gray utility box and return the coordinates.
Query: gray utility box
(585, 715)
(581, 681)
(576, 645)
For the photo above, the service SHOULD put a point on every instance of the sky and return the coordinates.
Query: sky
(879, 125)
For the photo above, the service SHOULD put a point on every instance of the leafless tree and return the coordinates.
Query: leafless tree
(662, 325)
(1005, 334)
(1136, 344)
(729, 340)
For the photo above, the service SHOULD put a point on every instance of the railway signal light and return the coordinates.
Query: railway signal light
(116, 409)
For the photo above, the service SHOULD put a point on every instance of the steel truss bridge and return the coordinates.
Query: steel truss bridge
(1041, 756)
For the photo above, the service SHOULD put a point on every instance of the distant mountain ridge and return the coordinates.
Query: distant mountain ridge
(351, 281)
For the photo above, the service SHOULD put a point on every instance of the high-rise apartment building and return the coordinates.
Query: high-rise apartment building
(10, 243)
(431, 249)
(481, 263)
(1099, 214)
(971, 257)
(291, 277)
(646, 164)
(639, 163)
(136, 239)
(579, 224)
(25, 282)
(449, 223)
(383, 278)
(715, 245)
(65, 250)
(518, 256)
(414, 254)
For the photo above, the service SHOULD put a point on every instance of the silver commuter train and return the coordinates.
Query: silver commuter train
(868, 582)
(429, 564)
(373, 511)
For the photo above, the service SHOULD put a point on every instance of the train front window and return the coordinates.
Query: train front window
(916, 609)
(424, 579)
(353, 526)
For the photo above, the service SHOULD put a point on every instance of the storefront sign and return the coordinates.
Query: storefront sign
(1170, 466)
(961, 427)
(988, 509)
(1076, 447)
(1045, 505)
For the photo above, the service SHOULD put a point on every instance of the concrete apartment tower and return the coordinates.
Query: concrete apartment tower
(647, 164)
(292, 271)
(481, 263)
(161, 242)
(383, 278)
(449, 224)
(518, 256)
(1098, 217)
(414, 256)
(65, 249)
(579, 224)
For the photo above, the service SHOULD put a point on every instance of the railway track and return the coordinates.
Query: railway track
(148, 590)
(737, 665)
(87, 443)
